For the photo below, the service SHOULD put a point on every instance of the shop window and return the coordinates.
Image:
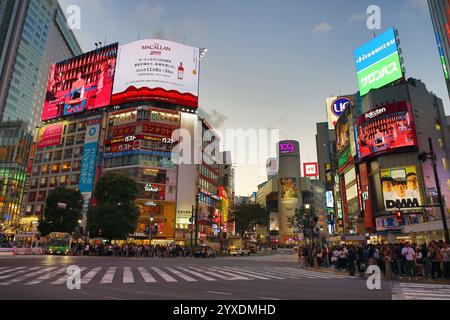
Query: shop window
(58, 155)
(76, 165)
(33, 183)
(35, 170)
(82, 127)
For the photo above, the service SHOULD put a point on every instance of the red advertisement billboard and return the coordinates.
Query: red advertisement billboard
(50, 136)
(310, 169)
(385, 129)
(82, 83)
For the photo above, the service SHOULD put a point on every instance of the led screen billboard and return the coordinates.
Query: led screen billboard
(385, 129)
(289, 189)
(401, 188)
(81, 83)
(157, 70)
(378, 62)
(50, 136)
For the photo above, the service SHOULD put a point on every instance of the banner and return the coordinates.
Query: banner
(89, 158)
(401, 189)
(289, 189)
(50, 136)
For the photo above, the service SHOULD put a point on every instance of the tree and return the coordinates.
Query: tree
(303, 222)
(115, 214)
(249, 215)
(62, 211)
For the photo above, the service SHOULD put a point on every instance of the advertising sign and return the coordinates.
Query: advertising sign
(89, 159)
(391, 223)
(274, 221)
(50, 136)
(157, 70)
(385, 129)
(401, 189)
(378, 62)
(81, 83)
(330, 199)
(289, 189)
(335, 108)
(441, 54)
(311, 169)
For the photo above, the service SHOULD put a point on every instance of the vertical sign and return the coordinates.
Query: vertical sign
(89, 160)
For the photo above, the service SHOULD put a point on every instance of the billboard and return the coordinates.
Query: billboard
(289, 189)
(391, 223)
(329, 199)
(50, 136)
(80, 84)
(310, 169)
(385, 129)
(335, 108)
(378, 62)
(401, 188)
(157, 70)
(89, 158)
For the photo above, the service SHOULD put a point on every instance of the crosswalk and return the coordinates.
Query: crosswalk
(419, 291)
(103, 276)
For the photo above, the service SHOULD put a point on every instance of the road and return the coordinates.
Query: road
(269, 277)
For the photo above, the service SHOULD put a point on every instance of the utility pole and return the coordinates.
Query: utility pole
(192, 230)
(432, 156)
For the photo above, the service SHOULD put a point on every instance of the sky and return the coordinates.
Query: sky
(270, 64)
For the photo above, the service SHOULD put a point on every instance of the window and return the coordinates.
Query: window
(35, 170)
(33, 183)
(55, 168)
(53, 181)
(66, 166)
(70, 140)
(32, 196)
(82, 127)
(63, 180)
(445, 163)
(71, 128)
(438, 127)
(41, 195)
(68, 153)
(44, 169)
(80, 139)
(48, 157)
(441, 143)
(43, 183)
(58, 155)
(78, 152)
(74, 179)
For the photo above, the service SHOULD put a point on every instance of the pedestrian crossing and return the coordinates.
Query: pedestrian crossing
(420, 291)
(103, 276)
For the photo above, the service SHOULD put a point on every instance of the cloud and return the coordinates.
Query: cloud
(323, 28)
(147, 11)
(418, 4)
(357, 17)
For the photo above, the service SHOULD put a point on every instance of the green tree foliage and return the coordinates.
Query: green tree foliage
(62, 211)
(249, 215)
(302, 221)
(115, 214)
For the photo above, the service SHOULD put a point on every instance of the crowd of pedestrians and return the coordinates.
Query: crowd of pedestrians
(394, 260)
(130, 250)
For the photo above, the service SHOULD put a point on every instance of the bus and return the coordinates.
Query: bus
(58, 243)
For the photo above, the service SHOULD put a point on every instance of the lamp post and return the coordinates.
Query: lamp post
(423, 157)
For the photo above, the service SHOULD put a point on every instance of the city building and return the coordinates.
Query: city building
(33, 34)
(440, 16)
(15, 146)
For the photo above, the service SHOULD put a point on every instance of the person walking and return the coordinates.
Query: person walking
(436, 260)
(419, 263)
(445, 251)
(410, 257)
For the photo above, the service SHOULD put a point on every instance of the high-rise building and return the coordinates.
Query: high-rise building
(33, 35)
(440, 16)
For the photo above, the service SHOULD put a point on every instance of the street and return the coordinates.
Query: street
(262, 277)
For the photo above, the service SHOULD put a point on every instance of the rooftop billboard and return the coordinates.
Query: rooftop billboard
(80, 84)
(157, 70)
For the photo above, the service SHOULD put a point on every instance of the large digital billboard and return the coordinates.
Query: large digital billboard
(289, 189)
(81, 83)
(401, 188)
(50, 136)
(157, 70)
(378, 62)
(385, 129)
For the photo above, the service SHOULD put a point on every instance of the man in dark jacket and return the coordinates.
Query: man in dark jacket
(351, 256)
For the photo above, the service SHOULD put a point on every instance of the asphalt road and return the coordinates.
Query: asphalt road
(270, 277)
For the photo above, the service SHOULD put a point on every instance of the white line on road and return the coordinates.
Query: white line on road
(109, 275)
(164, 275)
(11, 270)
(146, 275)
(227, 277)
(181, 275)
(247, 273)
(13, 274)
(90, 275)
(29, 275)
(260, 273)
(63, 279)
(197, 274)
(127, 275)
(217, 292)
(46, 277)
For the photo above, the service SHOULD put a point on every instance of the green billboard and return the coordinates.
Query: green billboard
(380, 74)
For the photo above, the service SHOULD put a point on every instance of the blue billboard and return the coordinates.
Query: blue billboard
(89, 159)
(379, 48)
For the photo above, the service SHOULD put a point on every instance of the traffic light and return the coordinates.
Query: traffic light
(399, 216)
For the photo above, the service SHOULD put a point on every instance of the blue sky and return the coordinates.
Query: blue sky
(270, 64)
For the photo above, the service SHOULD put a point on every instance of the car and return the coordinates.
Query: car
(239, 252)
(204, 251)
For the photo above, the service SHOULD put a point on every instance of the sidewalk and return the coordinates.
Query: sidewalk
(402, 279)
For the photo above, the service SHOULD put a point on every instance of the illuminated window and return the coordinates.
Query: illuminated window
(438, 127)
(441, 143)
(448, 184)
(445, 163)
(55, 168)
(66, 166)
(53, 181)
(45, 168)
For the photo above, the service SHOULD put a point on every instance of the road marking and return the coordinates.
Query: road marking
(242, 272)
(13, 274)
(29, 275)
(11, 270)
(63, 279)
(109, 275)
(277, 273)
(90, 275)
(216, 274)
(223, 293)
(259, 273)
(127, 275)
(197, 274)
(46, 277)
(181, 275)
(266, 298)
(146, 275)
(164, 275)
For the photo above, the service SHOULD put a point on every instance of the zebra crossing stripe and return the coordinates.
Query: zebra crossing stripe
(146, 275)
(127, 275)
(63, 279)
(293, 273)
(46, 277)
(279, 273)
(26, 276)
(260, 273)
(13, 274)
(181, 275)
(243, 273)
(421, 293)
(219, 274)
(109, 275)
(11, 270)
(90, 275)
(164, 275)
(195, 273)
